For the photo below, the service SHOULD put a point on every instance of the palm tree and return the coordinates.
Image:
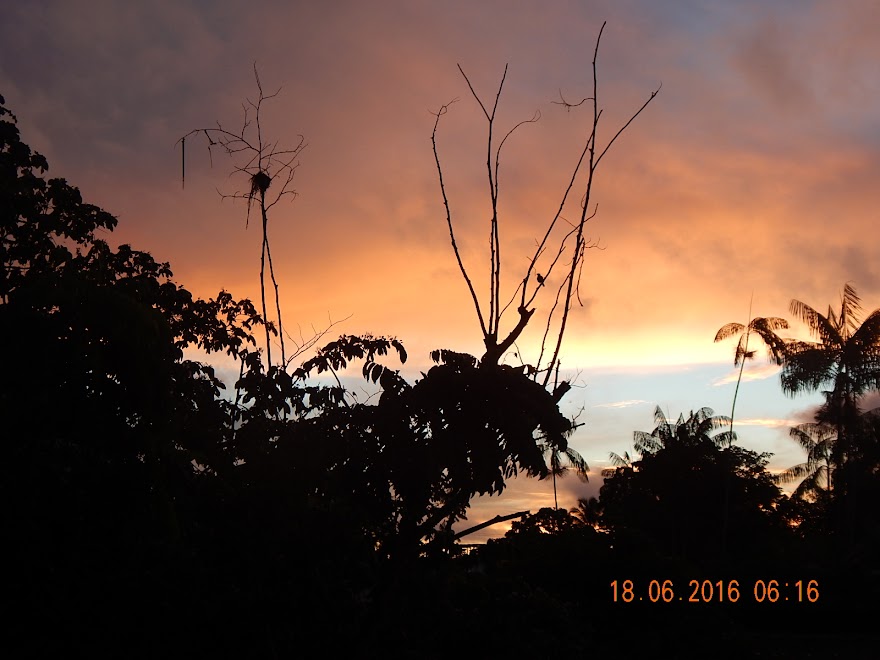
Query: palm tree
(558, 468)
(588, 512)
(765, 329)
(844, 355)
(617, 462)
(668, 487)
(818, 441)
(690, 432)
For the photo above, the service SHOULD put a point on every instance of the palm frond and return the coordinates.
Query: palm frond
(850, 306)
(578, 463)
(646, 443)
(864, 362)
(700, 424)
(555, 462)
(833, 321)
(617, 461)
(659, 417)
(819, 326)
(802, 435)
(811, 434)
(771, 323)
(766, 328)
(795, 472)
(725, 438)
(808, 366)
(729, 330)
(742, 352)
(573, 460)
(817, 440)
(696, 429)
(868, 334)
(810, 485)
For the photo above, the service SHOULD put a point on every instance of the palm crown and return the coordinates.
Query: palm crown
(765, 329)
(693, 431)
(845, 354)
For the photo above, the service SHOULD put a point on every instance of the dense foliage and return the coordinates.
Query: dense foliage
(131, 470)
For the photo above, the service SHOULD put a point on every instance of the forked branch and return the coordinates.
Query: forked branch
(572, 244)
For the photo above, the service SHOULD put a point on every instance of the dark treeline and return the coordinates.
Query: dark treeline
(150, 511)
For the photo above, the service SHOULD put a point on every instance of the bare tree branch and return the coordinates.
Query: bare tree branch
(263, 163)
(568, 106)
(572, 243)
(443, 110)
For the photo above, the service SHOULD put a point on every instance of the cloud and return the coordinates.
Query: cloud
(806, 415)
(767, 59)
(621, 404)
(760, 372)
(766, 422)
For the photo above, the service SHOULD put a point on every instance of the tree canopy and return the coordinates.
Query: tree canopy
(686, 481)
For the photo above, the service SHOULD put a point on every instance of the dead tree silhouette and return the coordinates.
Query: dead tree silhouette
(561, 248)
(570, 243)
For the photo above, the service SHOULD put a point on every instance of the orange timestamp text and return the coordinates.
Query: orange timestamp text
(718, 591)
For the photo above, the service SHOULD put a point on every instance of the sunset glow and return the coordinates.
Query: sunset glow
(752, 173)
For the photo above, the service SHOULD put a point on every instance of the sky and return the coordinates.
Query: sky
(752, 176)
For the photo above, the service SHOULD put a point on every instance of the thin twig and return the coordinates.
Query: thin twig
(443, 110)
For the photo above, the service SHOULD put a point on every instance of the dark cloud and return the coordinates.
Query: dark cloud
(773, 67)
